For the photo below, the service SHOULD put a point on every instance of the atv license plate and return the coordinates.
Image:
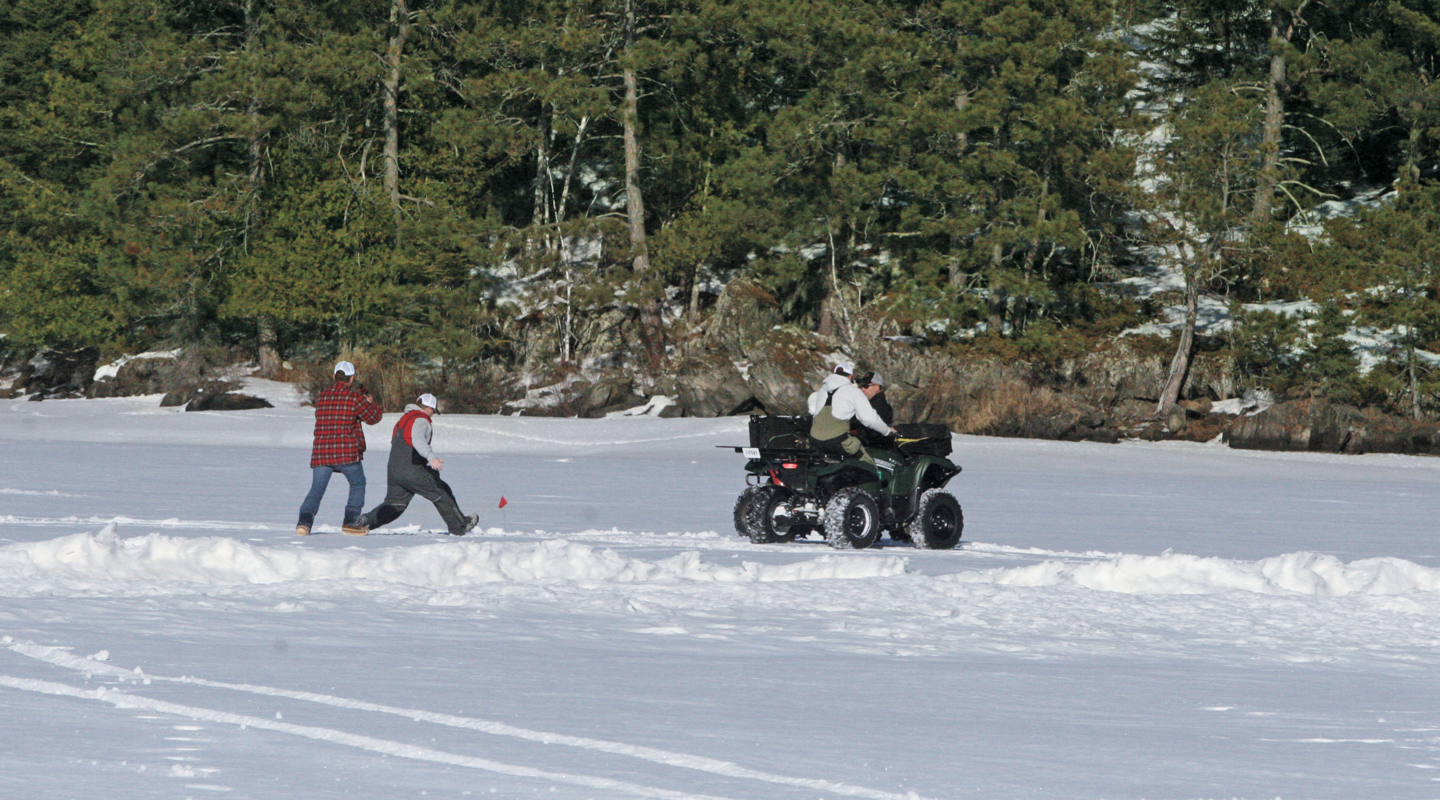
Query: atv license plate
(750, 452)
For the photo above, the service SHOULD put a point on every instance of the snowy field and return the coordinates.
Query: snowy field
(1131, 621)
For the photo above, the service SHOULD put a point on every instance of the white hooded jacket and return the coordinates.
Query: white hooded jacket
(832, 382)
(849, 402)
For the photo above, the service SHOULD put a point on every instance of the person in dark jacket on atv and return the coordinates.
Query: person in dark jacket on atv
(830, 429)
(879, 402)
(415, 469)
(882, 407)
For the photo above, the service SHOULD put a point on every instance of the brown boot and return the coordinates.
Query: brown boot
(355, 529)
(302, 530)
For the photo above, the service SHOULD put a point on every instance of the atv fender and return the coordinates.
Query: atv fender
(929, 473)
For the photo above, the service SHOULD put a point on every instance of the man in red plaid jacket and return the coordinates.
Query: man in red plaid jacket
(339, 447)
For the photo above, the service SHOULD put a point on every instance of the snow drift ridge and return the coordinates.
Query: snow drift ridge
(1292, 573)
(102, 560)
(85, 560)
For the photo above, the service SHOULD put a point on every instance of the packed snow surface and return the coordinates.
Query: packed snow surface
(1131, 621)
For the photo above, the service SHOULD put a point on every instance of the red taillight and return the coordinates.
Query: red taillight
(790, 466)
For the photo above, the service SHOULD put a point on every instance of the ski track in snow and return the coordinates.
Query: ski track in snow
(59, 656)
(173, 522)
(124, 700)
(39, 493)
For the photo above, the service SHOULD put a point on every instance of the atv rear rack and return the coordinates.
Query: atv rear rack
(796, 454)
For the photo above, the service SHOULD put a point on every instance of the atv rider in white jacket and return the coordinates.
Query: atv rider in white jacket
(830, 429)
(840, 377)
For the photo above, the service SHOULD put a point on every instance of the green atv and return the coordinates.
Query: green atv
(795, 488)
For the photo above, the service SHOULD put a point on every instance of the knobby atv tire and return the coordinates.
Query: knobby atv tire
(938, 521)
(852, 519)
(742, 507)
(761, 523)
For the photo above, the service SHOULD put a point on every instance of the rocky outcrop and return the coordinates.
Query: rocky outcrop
(747, 360)
(711, 386)
(213, 396)
(1319, 426)
(744, 316)
(56, 374)
(785, 367)
(226, 401)
(607, 396)
(140, 375)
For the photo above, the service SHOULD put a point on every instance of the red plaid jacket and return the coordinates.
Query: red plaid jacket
(339, 411)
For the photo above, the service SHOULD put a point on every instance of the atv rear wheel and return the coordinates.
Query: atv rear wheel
(852, 519)
(770, 518)
(742, 506)
(938, 521)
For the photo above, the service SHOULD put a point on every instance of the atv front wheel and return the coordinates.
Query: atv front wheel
(852, 519)
(938, 521)
(770, 518)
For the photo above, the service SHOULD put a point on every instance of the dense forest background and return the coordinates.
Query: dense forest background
(495, 195)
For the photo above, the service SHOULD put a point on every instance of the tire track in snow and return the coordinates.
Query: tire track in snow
(470, 427)
(124, 700)
(60, 657)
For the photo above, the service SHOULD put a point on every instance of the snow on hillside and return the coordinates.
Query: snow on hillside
(1132, 621)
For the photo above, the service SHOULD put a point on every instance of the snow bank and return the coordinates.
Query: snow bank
(1292, 573)
(104, 560)
(101, 559)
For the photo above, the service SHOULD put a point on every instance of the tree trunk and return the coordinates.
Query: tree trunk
(1282, 28)
(399, 31)
(267, 348)
(634, 200)
(1021, 317)
(827, 324)
(1414, 384)
(564, 202)
(540, 209)
(1410, 170)
(1180, 364)
(998, 299)
(651, 313)
(693, 308)
(834, 307)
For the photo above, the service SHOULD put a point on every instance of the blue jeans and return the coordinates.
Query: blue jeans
(353, 472)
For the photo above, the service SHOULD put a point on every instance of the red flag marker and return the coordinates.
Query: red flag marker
(503, 501)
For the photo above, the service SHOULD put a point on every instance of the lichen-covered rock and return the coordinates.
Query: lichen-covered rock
(710, 385)
(1385, 434)
(55, 374)
(227, 401)
(785, 367)
(140, 375)
(743, 318)
(1307, 425)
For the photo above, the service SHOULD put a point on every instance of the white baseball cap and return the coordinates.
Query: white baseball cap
(346, 368)
(428, 400)
(845, 369)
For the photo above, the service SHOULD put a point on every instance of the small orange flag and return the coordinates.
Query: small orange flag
(503, 501)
